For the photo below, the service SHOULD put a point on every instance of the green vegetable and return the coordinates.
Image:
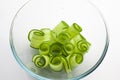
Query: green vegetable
(83, 46)
(60, 27)
(63, 37)
(35, 43)
(74, 30)
(35, 37)
(41, 61)
(77, 38)
(75, 59)
(55, 49)
(47, 34)
(66, 64)
(36, 33)
(69, 48)
(56, 64)
(61, 48)
(44, 48)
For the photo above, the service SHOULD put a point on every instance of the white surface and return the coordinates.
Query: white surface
(108, 70)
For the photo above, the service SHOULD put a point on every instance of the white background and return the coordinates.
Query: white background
(108, 70)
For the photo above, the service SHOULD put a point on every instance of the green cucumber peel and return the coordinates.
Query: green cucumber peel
(83, 46)
(60, 27)
(76, 59)
(63, 37)
(69, 48)
(73, 30)
(56, 49)
(37, 34)
(44, 47)
(66, 64)
(56, 64)
(41, 61)
(61, 48)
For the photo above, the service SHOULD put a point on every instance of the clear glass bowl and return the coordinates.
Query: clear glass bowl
(37, 14)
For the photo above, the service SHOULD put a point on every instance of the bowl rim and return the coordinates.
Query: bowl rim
(44, 78)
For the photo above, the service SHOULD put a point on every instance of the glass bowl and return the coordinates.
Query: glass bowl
(37, 14)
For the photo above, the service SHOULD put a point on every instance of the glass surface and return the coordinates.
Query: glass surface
(37, 14)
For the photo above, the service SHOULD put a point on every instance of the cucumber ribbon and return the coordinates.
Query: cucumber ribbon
(61, 48)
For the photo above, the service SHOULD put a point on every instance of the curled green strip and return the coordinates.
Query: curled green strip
(41, 61)
(56, 64)
(83, 46)
(35, 57)
(75, 59)
(54, 35)
(76, 39)
(69, 48)
(38, 33)
(63, 37)
(74, 30)
(47, 34)
(55, 49)
(35, 43)
(30, 34)
(44, 48)
(61, 27)
(76, 27)
(36, 37)
(66, 64)
(62, 47)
